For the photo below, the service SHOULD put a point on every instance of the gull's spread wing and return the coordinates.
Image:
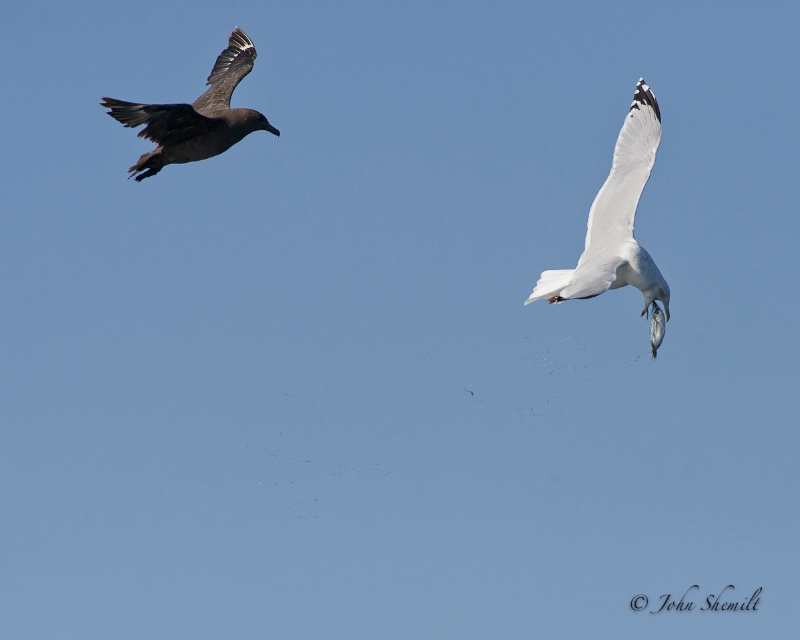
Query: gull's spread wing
(614, 209)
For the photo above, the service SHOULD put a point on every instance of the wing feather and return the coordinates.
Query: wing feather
(614, 208)
(233, 64)
(595, 278)
(166, 123)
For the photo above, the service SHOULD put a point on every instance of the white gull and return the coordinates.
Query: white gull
(611, 257)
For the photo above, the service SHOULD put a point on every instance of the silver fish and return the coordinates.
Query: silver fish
(658, 328)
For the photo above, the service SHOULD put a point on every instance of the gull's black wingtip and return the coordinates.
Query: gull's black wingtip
(644, 96)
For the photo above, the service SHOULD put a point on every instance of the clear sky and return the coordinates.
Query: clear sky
(293, 392)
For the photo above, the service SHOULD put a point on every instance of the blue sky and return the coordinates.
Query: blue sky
(292, 391)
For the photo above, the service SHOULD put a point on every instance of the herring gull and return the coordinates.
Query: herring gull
(203, 129)
(611, 256)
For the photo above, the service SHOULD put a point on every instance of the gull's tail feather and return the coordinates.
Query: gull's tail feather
(550, 285)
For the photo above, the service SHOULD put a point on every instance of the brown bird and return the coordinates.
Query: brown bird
(203, 129)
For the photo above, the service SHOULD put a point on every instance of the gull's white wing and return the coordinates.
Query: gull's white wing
(593, 277)
(614, 208)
